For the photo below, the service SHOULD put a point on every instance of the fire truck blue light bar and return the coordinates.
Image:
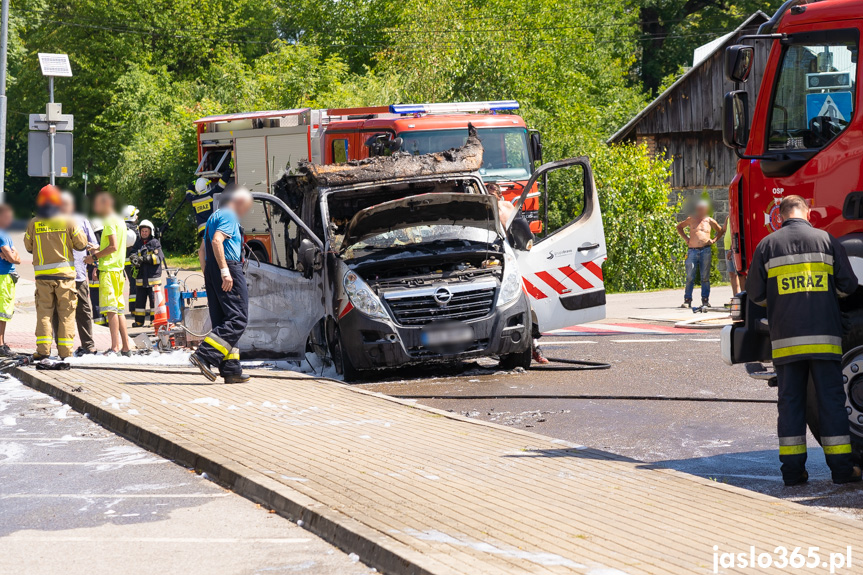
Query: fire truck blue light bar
(492, 106)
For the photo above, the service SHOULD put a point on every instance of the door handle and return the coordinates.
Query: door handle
(588, 247)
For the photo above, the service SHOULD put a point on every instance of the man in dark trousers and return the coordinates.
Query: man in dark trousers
(800, 273)
(147, 253)
(227, 295)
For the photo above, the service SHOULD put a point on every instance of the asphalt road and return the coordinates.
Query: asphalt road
(79, 500)
(698, 431)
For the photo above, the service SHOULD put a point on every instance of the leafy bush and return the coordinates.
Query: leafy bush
(644, 250)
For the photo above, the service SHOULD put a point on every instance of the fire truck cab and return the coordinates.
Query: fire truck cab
(510, 150)
(805, 138)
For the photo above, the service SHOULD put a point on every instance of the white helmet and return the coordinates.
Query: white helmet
(147, 224)
(131, 237)
(130, 213)
(97, 224)
(201, 185)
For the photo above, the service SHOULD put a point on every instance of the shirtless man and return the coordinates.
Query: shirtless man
(699, 255)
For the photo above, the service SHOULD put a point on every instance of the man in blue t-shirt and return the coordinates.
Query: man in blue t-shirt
(8, 258)
(227, 295)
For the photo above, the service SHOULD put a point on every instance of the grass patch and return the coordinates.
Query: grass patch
(183, 262)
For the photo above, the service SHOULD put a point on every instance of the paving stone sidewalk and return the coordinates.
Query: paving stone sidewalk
(416, 490)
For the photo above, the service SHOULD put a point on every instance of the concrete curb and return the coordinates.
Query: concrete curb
(375, 548)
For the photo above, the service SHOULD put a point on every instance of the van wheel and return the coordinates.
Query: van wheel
(343, 364)
(521, 359)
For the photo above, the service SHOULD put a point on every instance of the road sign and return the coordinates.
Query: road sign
(839, 105)
(39, 159)
(64, 122)
(55, 65)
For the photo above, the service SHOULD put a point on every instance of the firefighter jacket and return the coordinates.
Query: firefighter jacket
(52, 240)
(202, 202)
(799, 273)
(150, 251)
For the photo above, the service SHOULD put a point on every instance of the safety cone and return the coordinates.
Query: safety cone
(160, 313)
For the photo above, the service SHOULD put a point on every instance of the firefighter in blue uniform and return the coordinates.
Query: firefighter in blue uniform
(227, 295)
(799, 273)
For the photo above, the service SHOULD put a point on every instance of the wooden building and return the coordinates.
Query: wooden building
(685, 122)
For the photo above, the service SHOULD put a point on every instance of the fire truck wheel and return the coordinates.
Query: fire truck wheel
(812, 415)
(343, 364)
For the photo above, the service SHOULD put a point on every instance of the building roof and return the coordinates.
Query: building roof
(701, 55)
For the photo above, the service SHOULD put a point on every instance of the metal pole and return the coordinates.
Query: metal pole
(4, 39)
(52, 130)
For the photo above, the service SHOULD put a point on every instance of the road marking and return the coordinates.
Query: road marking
(705, 339)
(114, 539)
(113, 495)
(664, 340)
(546, 343)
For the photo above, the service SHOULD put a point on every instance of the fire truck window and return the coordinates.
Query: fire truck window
(813, 100)
(505, 153)
(340, 151)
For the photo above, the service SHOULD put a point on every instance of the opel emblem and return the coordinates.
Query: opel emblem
(442, 296)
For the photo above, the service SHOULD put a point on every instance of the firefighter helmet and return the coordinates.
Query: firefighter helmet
(147, 224)
(201, 185)
(130, 213)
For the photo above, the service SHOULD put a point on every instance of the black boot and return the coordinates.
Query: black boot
(203, 366)
(798, 480)
(237, 378)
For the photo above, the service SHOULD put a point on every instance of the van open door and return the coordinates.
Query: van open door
(562, 272)
(286, 292)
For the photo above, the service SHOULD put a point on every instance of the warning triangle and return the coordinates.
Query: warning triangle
(831, 110)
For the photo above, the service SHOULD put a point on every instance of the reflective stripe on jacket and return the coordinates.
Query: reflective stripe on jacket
(52, 241)
(799, 273)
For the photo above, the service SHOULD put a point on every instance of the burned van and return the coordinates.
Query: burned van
(386, 264)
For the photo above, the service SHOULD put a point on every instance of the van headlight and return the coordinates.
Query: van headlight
(510, 286)
(362, 297)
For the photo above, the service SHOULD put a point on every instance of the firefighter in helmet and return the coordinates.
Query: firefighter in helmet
(130, 216)
(147, 257)
(202, 195)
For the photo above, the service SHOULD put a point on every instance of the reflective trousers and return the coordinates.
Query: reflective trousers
(83, 319)
(60, 296)
(229, 315)
(833, 420)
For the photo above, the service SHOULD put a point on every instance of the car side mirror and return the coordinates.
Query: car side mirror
(536, 146)
(735, 119)
(311, 258)
(519, 236)
(738, 62)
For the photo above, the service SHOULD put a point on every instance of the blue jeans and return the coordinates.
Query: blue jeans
(699, 258)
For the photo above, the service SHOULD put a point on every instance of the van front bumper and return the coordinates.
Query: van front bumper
(375, 344)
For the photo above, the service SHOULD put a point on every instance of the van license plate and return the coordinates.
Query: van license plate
(442, 336)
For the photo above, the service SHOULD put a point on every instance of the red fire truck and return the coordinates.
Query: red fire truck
(264, 144)
(805, 138)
